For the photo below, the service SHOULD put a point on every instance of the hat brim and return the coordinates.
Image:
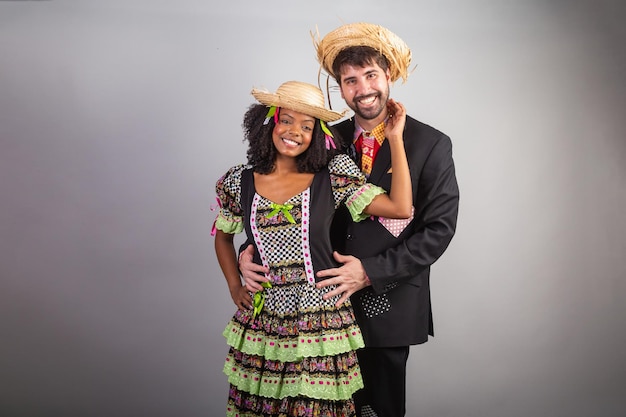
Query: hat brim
(272, 99)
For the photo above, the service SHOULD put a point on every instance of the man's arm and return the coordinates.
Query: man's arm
(435, 226)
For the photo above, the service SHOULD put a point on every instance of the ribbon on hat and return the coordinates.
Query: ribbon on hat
(259, 299)
(328, 136)
(283, 208)
(271, 112)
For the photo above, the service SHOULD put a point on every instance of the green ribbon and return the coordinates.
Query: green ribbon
(283, 208)
(271, 112)
(325, 129)
(259, 299)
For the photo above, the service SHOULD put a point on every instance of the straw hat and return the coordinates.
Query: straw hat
(364, 34)
(301, 97)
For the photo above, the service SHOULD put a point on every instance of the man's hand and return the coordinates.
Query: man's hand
(349, 278)
(253, 274)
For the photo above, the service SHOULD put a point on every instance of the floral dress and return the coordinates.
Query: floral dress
(297, 355)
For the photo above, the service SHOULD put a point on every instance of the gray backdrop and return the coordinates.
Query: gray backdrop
(118, 116)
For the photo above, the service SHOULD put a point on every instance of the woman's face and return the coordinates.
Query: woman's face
(293, 133)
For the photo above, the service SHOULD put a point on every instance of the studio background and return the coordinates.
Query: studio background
(117, 117)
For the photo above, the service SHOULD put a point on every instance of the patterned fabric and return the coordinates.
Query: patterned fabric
(366, 411)
(396, 226)
(297, 357)
(374, 305)
(367, 145)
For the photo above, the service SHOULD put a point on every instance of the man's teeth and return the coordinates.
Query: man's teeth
(368, 100)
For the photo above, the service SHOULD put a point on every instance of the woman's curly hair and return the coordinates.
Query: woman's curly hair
(262, 152)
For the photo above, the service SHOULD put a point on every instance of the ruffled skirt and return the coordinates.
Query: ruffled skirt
(296, 358)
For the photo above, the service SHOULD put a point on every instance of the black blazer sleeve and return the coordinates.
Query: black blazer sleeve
(436, 209)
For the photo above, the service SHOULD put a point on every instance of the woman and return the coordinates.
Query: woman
(293, 353)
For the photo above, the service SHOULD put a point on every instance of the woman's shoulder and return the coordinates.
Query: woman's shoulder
(342, 164)
(231, 179)
(235, 171)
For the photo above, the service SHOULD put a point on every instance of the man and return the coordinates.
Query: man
(386, 263)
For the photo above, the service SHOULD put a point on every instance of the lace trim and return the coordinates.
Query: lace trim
(361, 199)
(231, 225)
(293, 384)
(293, 348)
(242, 404)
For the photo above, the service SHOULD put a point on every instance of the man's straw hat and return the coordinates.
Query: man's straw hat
(299, 96)
(364, 34)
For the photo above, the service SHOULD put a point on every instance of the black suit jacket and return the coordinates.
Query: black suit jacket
(396, 309)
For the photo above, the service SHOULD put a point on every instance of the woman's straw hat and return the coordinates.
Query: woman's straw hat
(364, 34)
(299, 96)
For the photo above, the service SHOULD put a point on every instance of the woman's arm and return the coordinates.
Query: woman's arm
(399, 202)
(225, 251)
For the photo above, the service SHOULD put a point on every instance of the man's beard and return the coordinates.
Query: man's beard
(371, 113)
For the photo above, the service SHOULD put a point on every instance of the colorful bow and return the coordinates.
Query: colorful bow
(259, 299)
(284, 208)
(271, 112)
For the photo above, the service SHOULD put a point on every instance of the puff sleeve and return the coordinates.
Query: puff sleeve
(228, 190)
(350, 186)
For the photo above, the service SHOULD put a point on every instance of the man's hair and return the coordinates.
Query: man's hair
(358, 56)
(262, 152)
